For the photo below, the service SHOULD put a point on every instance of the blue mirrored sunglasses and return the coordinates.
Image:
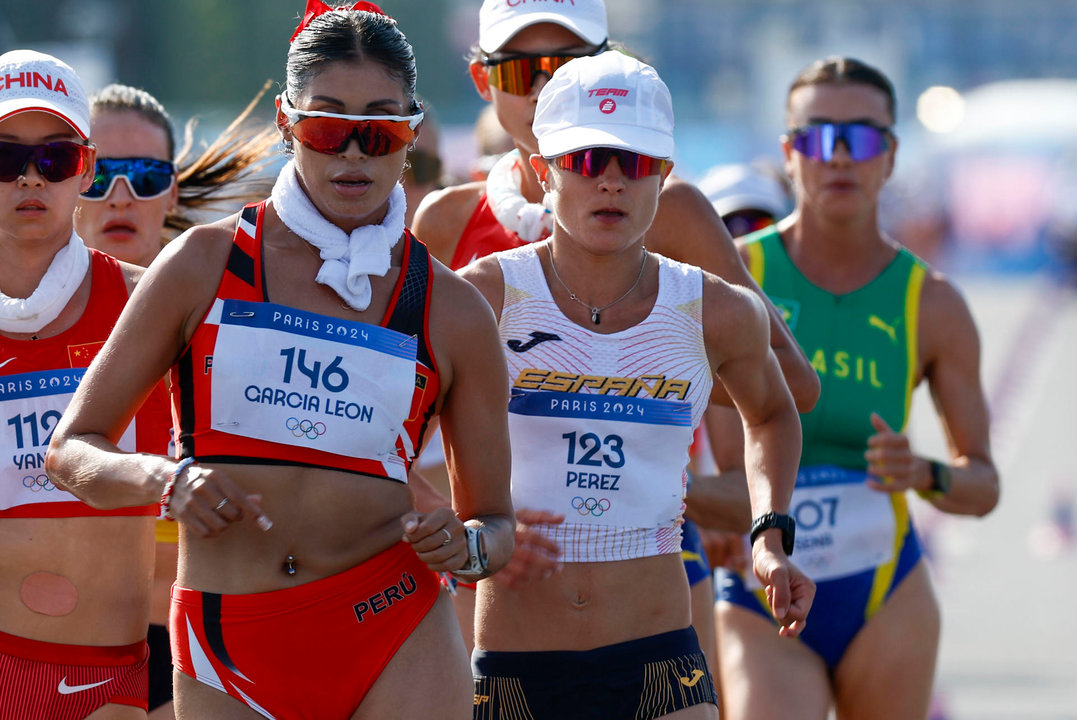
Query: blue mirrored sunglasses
(818, 141)
(147, 178)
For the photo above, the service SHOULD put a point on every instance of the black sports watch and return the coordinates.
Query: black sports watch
(940, 477)
(477, 561)
(785, 523)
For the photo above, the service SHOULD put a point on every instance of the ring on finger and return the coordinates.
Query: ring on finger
(448, 536)
(221, 504)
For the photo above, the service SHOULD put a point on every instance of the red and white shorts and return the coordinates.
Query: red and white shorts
(309, 651)
(68, 682)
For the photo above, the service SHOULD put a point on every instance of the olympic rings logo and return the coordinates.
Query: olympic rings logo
(36, 483)
(300, 428)
(590, 506)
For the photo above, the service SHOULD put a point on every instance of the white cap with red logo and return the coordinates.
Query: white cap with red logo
(30, 80)
(500, 20)
(608, 100)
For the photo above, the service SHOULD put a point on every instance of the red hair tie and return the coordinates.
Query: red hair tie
(317, 7)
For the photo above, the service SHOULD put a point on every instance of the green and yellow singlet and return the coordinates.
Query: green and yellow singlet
(855, 542)
(862, 345)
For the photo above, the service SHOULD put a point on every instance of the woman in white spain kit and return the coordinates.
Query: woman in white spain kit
(612, 352)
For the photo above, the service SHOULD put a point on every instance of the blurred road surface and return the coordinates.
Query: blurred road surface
(1007, 583)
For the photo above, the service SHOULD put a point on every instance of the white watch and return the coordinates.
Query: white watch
(477, 561)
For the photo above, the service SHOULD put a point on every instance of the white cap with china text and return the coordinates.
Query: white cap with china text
(608, 100)
(500, 20)
(30, 80)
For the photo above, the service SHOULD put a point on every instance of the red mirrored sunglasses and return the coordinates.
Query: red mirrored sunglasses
(330, 133)
(56, 161)
(591, 162)
(747, 221)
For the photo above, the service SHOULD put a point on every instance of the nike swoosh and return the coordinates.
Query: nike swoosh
(64, 689)
(696, 675)
(6, 362)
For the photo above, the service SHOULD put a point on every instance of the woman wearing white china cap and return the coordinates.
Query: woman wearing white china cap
(74, 579)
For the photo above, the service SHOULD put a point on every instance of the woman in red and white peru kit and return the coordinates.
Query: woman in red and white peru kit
(612, 353)
(310, 340)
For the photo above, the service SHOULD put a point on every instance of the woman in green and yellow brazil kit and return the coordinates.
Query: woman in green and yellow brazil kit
(874, 320)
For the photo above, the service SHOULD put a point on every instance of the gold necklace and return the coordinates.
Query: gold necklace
(596, 312)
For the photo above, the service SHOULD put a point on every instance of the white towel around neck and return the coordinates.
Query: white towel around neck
(348, 259)
(64, 276)
(530, 221)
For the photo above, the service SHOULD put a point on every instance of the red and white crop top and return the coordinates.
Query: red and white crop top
(37, 381)
(262, 383)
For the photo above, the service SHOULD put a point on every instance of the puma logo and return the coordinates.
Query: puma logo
(536, 338)
(877, 322)
(696, 675)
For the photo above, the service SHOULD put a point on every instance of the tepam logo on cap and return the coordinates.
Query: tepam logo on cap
(30, 79)
(608, 105)
(609, 100)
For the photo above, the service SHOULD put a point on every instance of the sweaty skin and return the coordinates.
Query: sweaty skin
(49, 594)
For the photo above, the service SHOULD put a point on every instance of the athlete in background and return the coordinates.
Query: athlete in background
(875, 321)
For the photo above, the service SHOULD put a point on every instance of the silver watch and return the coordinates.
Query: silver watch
(477, 562)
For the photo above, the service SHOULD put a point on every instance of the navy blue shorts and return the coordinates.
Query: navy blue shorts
(696, 564)
(841, 606)
(635, 680)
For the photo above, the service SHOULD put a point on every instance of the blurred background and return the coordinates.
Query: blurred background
(987, 90)
(985, 189)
